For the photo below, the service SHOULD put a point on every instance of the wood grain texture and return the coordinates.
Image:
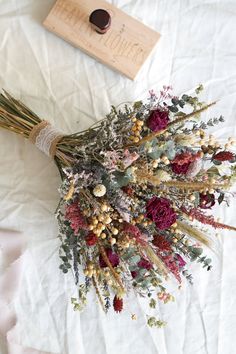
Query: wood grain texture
(125, 46)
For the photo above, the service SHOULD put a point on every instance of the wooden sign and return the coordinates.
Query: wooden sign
(124, 47)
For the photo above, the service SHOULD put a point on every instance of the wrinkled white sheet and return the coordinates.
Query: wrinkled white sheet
(71, 90)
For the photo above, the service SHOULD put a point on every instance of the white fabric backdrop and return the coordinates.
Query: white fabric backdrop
(71, 90)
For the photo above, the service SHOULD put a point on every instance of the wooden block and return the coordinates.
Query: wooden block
(124, 47)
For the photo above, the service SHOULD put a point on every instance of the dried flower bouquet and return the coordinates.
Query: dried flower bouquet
(132, 185)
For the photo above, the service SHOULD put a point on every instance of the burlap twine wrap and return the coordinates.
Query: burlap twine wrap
(45, 137)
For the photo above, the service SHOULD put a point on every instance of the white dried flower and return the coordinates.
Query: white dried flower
(99, 190)
(194, 168)
(185, 140)
(163, 176)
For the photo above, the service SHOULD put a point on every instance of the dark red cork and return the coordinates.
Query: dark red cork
(100, 20)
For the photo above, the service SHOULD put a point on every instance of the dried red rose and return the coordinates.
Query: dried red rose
(206, 200)
(117, 304)
(91, 239)
(158, 120)
(224, 156)
(180, 169)
(159, 210)
(182, 162)
(185, 157)
(160, 242)
(113, 258)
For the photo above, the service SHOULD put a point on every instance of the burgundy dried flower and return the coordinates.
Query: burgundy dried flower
(185, 157)
(91, 239)
(206, 200)
(180, 169)
(224, 156)
(128, 190)
(134, 273)
(113, 258)
(133, 231)
(160, 242)
(180, 260)
(159, 210)
(206, 219)
(118, 304)
(75, 217)
(158, 120)
(171, 265)
(143, 263)
(182, 162)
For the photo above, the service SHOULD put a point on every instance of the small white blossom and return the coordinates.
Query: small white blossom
(185, 140)
(194, 168)
(163, 176)
(99, 190)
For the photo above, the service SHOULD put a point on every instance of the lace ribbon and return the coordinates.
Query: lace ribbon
(45, 137)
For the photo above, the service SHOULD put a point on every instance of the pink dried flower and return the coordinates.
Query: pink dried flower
(129, 158)
(180, 260)
(207, 219)
(133, 231)
(152, 94)
(194, 168)
(111, 159)
(74, 215)
(171, 265)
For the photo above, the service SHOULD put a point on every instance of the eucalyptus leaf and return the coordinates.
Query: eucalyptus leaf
(185, 97)
(142, 272)
(180, 114)
(128, 254)
(156, 153)
(221, 198)
(175, 101)
(207, 261)
(145, 283)
(213, 171)
(197, 251)
(173, 109)
(133, 268)
(216, 162)
(181, 103)
(134, 260)
(122, 179)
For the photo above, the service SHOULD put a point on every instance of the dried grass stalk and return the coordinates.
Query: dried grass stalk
(193, 232)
